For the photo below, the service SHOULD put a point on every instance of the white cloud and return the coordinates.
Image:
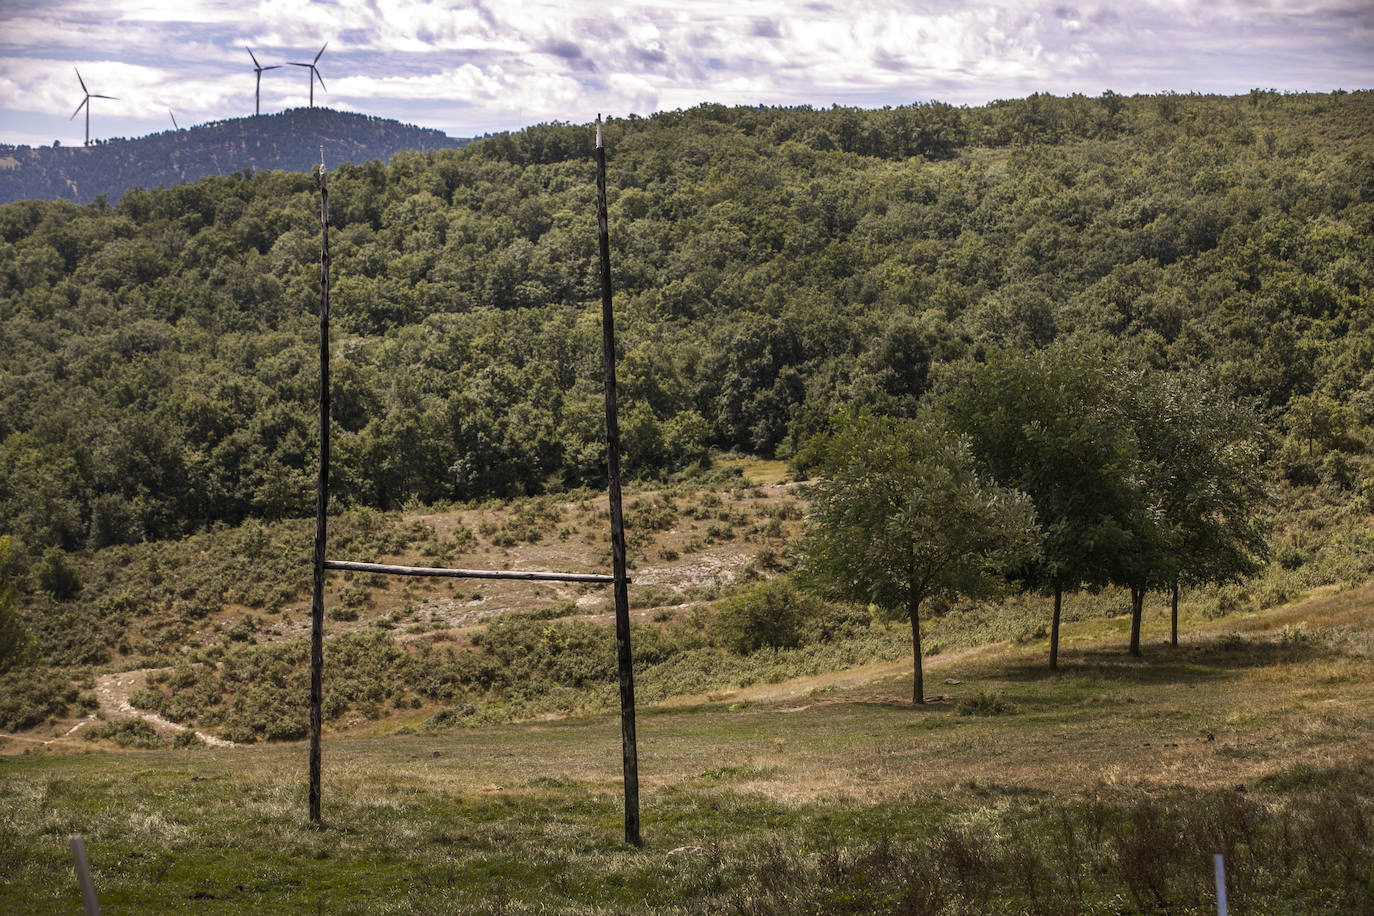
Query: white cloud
(51, 86)
(481, 62)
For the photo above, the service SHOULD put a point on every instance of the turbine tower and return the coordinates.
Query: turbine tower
(258, 69)
(86, 104)
(314, 73)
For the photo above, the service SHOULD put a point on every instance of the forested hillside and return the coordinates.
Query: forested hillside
(292, 140)
(158, 359)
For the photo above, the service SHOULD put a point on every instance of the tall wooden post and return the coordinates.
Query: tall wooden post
(321, 504)
(629, 749)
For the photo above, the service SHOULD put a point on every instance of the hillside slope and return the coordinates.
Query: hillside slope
(771, 268)
(291, 140)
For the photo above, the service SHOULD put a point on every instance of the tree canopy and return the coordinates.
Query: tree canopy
(1203, 486)
(1049, 424)
(900, 517)
(772, 266)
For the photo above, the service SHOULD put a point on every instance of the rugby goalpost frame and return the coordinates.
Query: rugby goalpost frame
(618, 578)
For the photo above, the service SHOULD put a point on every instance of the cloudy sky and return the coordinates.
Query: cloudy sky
(469, 67)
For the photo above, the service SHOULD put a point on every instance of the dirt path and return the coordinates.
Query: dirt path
(113, 692)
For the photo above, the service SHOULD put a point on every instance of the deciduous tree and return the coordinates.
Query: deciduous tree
(1046, 423)
(901, 515)
(1202, 479)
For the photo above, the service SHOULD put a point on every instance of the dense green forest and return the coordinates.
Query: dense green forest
(158, 359)
(292, 140)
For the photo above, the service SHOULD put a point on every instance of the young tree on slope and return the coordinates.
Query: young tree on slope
(900, 516)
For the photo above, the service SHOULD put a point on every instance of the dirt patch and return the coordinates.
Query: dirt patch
(113, 692)
(712, 568)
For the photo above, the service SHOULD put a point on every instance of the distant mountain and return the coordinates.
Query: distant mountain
(290, 140)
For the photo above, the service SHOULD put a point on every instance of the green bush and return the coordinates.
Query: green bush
(985, 703)
(837, 622)
(56, 575)
(129, 732)
(28, 698)
(770, 615)
(17, 646)
(645, 596)
(538, 655)
(1338, 471)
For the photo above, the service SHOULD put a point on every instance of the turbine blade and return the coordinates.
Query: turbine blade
(252, 55)
(79, 107)
(318, 77)
(82, 82)
(96, 95)
(273, 67)
(295, 64)
(322, 47)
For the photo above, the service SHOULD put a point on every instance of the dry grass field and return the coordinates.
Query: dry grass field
(1103, 788)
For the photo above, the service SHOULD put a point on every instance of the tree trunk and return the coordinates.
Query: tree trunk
(918, 695)
(1137, 608)
(1173, 605)
(1054, 630)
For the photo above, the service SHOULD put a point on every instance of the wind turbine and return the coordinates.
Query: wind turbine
(258, 69)
(314, 73)
(86, 104)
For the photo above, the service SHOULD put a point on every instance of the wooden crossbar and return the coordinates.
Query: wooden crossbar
(467, 573)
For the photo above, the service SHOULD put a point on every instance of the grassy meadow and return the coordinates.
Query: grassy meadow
(471, 759)
(774, 268)
(1103, 788)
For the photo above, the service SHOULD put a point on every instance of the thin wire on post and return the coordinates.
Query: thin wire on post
(629, 747)
(321, 505)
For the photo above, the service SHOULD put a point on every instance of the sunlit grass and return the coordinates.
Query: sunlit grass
(757, 471)
(1245, 735)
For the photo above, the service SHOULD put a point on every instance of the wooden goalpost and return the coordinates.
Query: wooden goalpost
(618, 579)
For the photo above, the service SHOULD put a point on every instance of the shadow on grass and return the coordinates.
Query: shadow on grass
(1189, 663)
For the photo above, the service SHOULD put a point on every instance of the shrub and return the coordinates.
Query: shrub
(547, 611)
(27, 698)
(836, 622)
(56, 575)
(1337, 471)
(644, 596)
(1295, 465)
(17, 646)
(1273, 593)
(1292, 556)
(126, 733)
(355, 598)
(537, 655)
(187, 737)
(771, 615)
(985, 703)
(1231, 598)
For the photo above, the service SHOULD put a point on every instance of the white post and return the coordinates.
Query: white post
(1220, 867)
(83, 875)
